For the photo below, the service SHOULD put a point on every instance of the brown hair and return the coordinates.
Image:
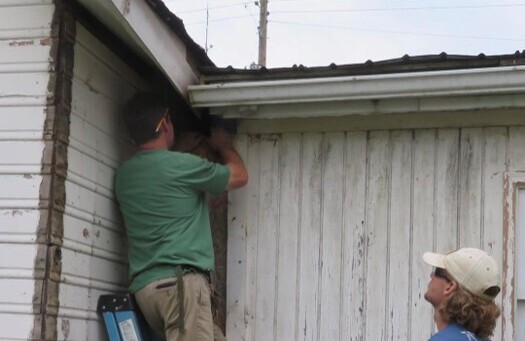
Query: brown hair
(475, 314)
(142, 114)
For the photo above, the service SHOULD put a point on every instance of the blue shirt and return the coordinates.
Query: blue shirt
(455, 332)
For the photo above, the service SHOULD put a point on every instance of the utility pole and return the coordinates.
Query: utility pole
(263, 31)
(207, 25)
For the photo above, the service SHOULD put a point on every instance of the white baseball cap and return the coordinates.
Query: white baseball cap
(472, 268)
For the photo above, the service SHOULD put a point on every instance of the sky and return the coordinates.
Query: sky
(321, 32)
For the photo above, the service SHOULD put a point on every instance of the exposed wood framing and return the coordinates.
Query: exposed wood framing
(195, 143)
(54, 170)
(513, 181)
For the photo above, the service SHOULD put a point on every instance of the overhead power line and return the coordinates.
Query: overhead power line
(346, 10)
(237, 4)
(394, 31)
(397, 9)
(219, 19)
(194, 1)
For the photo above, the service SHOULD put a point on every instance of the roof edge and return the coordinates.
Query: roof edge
(465, 82)
(406, 63)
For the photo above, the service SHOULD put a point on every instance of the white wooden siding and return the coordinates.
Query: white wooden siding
(325, 242)
(93, 252)
(25, 28)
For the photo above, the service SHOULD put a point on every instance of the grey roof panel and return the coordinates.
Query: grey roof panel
(406, 63)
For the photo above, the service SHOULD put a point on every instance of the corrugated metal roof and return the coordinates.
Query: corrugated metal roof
(442, 61)
(406, 63)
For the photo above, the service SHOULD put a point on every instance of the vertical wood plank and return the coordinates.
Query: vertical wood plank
(309, 262)
(354, 238)
(236, 269)
(332, 222)
(446, 185)
(289, 220)
(252, 228)
(516, 162)
(407, 204)
(422, 322)
(515, 149)
(398, 267)
(470, 179)
(267, 237)
(377, 228)
(494, 166)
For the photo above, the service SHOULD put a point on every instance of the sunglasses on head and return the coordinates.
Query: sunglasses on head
(162, 119)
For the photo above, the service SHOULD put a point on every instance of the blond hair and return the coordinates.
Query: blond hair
(475, 314)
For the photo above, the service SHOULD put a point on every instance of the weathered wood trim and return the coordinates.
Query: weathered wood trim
(158, 39)
(488, 118)
(218, 207)
(513, 181)
(113, 43)
(54, 170)
(186, 117)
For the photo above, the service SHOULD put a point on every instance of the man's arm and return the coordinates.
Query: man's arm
(222, 143)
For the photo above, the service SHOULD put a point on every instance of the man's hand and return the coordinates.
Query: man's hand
(220, 140)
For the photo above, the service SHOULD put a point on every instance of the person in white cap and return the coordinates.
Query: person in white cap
(462, 289)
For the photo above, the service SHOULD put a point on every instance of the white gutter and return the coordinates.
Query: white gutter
(465, 82)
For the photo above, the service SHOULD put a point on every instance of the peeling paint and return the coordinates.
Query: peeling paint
(47, 41)
(22, 43)
(28, 176)
(127, 5)
(85, 233)
(66, 329)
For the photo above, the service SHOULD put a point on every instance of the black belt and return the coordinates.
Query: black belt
(180, 271)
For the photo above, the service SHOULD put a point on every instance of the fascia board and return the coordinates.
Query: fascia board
(161, 44)
(363, 108)
(466, 82)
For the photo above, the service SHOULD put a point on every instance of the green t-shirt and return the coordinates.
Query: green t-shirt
(161, 197)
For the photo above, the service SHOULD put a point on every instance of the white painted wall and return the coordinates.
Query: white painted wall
(25, 27)
(93, 253)
(325, 242)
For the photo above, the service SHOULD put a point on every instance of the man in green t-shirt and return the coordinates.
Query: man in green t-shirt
(161, 197)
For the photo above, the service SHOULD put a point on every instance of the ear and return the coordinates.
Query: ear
(450, 288)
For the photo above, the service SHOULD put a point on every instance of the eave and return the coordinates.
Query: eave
(151, 36)
(429, 91)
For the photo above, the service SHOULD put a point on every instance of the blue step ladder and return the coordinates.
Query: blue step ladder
(122, 319)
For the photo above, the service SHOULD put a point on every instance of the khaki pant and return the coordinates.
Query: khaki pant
(160, 307)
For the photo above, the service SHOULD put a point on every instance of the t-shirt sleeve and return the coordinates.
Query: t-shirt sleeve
(201, 174)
